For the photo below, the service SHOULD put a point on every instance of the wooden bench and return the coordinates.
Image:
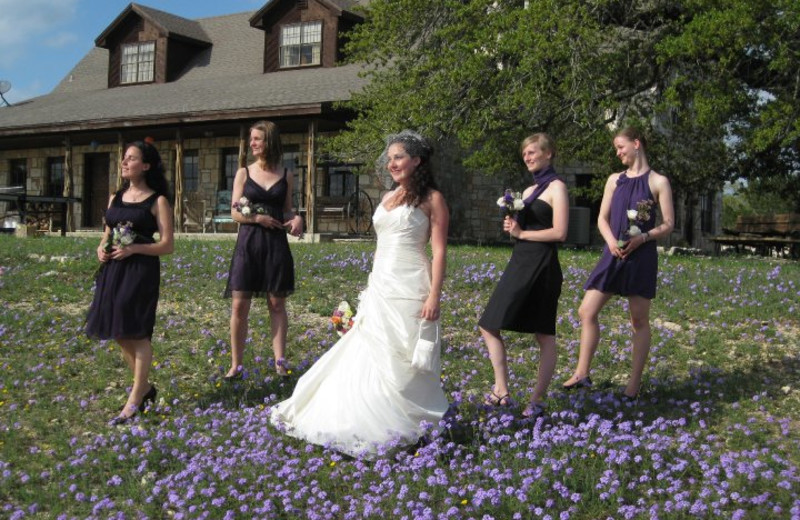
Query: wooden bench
(331, 214)
(332, 207)
(764, 234)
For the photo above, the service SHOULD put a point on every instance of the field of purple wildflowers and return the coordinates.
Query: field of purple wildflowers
(714, 433)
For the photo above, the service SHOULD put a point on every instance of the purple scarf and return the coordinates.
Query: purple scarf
(542, 180)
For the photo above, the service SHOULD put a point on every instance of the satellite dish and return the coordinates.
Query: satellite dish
(5, 86)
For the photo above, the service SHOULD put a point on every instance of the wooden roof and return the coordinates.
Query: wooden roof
(224, 81)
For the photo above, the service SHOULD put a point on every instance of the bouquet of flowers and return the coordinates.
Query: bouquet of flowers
(245, 207)
(637, 217)
(122, 235)
(342, 318)
(510, 203)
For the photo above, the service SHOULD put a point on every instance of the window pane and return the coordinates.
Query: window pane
(312, 32)
(138, 62)
(340, 183)
(55, 181)
(230, 161)
(191, 171)
(301, 44)
(306, 55)
(290, 35)
(19, 172)
(146, 71)
(147, 56)
(290, 56)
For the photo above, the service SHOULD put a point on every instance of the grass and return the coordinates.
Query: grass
(714, 434)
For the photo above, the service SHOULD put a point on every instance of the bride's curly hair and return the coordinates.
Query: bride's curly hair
(422, 178)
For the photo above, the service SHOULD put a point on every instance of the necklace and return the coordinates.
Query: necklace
(135, 197)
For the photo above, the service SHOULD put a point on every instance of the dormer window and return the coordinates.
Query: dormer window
(301, 44)
(138, 62)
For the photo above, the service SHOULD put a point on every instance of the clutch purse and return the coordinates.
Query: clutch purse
(427, 349)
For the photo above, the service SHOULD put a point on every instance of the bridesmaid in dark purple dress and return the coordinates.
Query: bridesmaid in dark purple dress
(629, 263)
(262, 263)
(126, 293)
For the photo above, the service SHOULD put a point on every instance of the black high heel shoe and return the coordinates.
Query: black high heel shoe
(122, 419)
(282, 367)
(585, 382)
(150, 396)
(238, 376)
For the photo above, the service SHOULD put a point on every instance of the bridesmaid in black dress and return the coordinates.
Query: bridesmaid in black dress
(126, 293)
(629, 264)
(526, 298)
(262, 263)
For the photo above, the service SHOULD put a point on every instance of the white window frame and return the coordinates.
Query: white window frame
(137, 62)
(300, 44)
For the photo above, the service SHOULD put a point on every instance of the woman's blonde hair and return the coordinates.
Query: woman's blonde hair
(544, 141)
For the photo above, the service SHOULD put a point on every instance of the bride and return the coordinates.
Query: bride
(365, 393)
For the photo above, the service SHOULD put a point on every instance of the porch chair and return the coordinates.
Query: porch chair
(221, 212)
(194, 213)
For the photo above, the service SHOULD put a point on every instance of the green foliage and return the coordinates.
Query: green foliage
(714, 84)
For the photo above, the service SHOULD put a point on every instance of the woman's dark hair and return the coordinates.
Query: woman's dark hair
(273, 153)
(154, 176)
(422, 178)
(632, 133)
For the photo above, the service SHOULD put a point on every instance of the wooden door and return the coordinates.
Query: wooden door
(96, 189)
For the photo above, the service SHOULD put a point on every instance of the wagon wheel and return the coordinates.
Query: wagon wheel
(359, 213)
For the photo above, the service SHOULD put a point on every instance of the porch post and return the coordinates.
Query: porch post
(311, 179)
(69, 220)
(242, 146)
(120, 155)
(178, 210)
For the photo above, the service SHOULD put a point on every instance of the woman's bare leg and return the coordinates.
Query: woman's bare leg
(589, 311)
(240, 312)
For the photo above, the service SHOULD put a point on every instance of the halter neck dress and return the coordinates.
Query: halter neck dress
(635, 275)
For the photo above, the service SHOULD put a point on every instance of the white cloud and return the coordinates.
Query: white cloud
(23, 23)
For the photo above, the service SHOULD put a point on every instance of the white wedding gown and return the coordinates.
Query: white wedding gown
(363, 392)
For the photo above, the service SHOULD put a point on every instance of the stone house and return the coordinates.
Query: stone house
(195, 86)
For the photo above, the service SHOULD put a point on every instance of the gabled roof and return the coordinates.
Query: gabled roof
(171, 25)
(339, 7)
(223, 79)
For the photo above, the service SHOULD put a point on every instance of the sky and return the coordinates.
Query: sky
(42, 40)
